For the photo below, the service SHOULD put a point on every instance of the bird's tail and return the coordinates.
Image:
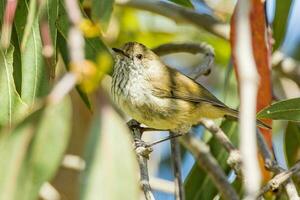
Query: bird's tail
(233, 115)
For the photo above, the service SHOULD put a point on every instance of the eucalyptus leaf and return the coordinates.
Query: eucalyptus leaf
(34, 73)
(280, 23)
(101, 11)
(198, 185)
(112, 169)
(186, 3)
(292, 143)
(32, 151)
(282, 110)
(11, 104)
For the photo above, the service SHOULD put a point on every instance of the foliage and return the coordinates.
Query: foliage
(38, 129)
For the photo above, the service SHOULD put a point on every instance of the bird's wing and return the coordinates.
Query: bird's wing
(176, 85)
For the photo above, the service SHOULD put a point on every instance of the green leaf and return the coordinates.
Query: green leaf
(185, 3)
(101, 11)
(11, 103)
(17, 60)
(283, 110)
(198, 185)
(280, 22)
(34, 72)
(32, 151)
(292, 143)
(112, 168)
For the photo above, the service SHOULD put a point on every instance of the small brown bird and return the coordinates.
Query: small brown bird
(159, 96)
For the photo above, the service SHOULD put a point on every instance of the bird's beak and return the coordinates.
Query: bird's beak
(120, 52)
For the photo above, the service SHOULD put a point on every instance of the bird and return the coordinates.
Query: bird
(161, 97)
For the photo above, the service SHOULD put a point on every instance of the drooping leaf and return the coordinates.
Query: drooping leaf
(101, 11)
(280, 23)
(283, 110)
(17, 60)
(34, 72)
(198, 185)
(32, 151)
(292, 143)
(185, 3)
(11, 103)
(112, 169)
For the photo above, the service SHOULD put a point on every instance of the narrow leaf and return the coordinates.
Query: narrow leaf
(101, 11)
(112, 166)
(292, 143)
(280, 23)
(185, 3)
(283, 110)
(28, 158)
(11, 103)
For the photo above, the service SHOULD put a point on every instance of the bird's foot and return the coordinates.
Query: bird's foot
(142, 148)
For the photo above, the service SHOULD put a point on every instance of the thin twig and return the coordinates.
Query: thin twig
(162, 185)
(234, 160)
(207, 162)
(280, 179)
(181, 14)
(142, 156)
(176, 163)
(273, 166)
(194, 48)
(248, 78)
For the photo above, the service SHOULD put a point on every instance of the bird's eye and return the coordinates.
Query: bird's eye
(139, 56)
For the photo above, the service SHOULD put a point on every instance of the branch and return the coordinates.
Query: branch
(280, 179)
(193, 48)
(248, 91)
(272, 165)
(142, 153)
(207, 162)
(181, 14)
(234, 160)
(176, 162)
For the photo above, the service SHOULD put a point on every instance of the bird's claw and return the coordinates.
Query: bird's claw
(142, 148)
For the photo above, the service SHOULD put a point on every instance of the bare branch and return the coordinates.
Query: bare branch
(234, 160)
(142, 156)
(162, 185)
(176, 162)
(207, 162)
(280, 179)
(181, 14)
(272, 165)
(194, 48)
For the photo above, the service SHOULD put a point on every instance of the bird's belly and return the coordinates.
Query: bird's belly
(161, 113)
